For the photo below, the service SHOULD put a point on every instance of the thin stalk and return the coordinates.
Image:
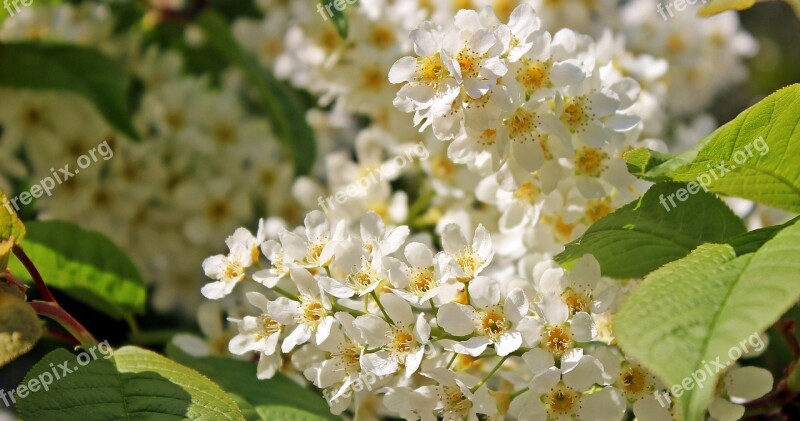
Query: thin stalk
(37, 277)
(383, 310)
(488, 376)
(55, 312)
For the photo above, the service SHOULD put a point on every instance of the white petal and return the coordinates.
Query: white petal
(748, 383)
(419, 255)
(516, 305)
(582, 327)
(484, 292)
(300, 335)
(375, 330)
(472, 346)
(379, 363)
(455, 319)
(583, 375)
(538, 360)
(605, 405)
(398, 309)
(723, 410)
(324, 329)
(284, 310)
(335, 288)
(403, 70)
(508, 343)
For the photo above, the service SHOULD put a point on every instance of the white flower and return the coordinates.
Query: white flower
(259, 334)
(343, 367)
(430, 88)
(421, 279)
(454, 400)
(580, 289)
(560, 330)
(316, 249)
(311, 312)
(739, 385)
(467, 260)
(402, 342)
(362, 270)
(504, 326)
(472, 54)
(227, 270)
(557, 392)
(373, 231)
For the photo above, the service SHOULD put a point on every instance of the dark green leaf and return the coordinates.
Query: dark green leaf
(641, 236)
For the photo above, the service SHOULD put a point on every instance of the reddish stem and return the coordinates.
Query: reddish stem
(37, 277)
(53, 311)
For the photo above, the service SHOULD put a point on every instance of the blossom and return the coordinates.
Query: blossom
(310, 312)
(503, 326)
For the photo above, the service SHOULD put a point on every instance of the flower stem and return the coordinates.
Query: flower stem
(285, 293)
(488, 376)
(517, 393)
(452, 360)
(37, 277)
(383, 310)
(53, 311)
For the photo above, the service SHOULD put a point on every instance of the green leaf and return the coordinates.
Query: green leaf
(283, 105)
(85, 265)
(755, 156)
(697, 309)
(20, 328)
(63, 67)
(339, 18)
(134, 384)
(12, 230)
(278, 398)
(750, 242)
(641, 236)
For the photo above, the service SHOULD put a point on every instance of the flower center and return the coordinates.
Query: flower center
(522, 125)
(313, 313)
(562, 400)
(634, 381)
(421, 281)
(455, 402)
(488, 137)
(493, 324)
(534, 75)
(575, 114)
(557, 339)
(269, 326)
(233, 270)
(431, 69)
(402, 342)
(469, 62)
(575, 300)
(527, 192)
(469, 261)
(590, 161)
